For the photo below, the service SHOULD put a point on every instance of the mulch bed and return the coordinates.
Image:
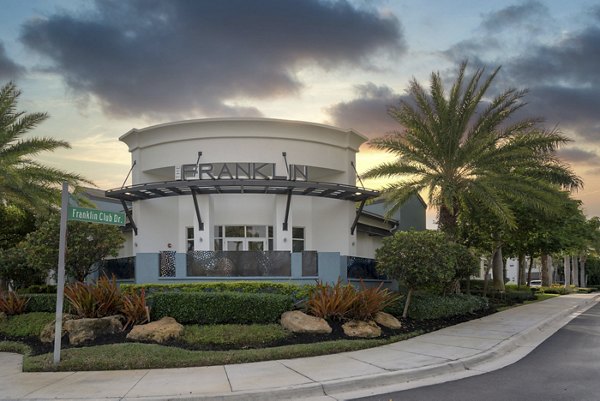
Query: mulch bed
(408, 326)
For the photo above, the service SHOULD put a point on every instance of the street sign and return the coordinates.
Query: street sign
(96, 216)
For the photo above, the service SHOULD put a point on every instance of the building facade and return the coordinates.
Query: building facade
(217, 198)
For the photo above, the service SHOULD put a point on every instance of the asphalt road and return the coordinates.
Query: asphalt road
(564, 367)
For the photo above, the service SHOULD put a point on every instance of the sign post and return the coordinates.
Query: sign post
(60, 279)
(78, 214)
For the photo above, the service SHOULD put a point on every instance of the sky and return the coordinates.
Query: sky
(101, 68)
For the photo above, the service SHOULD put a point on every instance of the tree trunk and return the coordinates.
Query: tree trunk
(407, 303)
(567, 266)
(546, 281)
(575, 270)
(531, 258)
(582, 260)
(498, 270)
(486, 273)
(447, 221)
(521, 273)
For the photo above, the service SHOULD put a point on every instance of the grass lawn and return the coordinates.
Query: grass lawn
(146, 356)
(245, 340)
(26, 325)
(234, 335)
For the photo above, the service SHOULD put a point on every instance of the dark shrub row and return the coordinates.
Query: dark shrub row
(429, 306)
(219, 307)
(296, 292)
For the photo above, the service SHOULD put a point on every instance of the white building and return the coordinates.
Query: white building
(250, 198)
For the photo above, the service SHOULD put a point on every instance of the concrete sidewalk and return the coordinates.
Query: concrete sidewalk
(467, 349)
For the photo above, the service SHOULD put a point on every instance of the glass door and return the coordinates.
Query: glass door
(257, 244)
(235, 244)
(245, 244)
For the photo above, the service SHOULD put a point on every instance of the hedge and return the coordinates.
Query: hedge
(297, 292)
(219, 307)
(426, 306)
(41, 302)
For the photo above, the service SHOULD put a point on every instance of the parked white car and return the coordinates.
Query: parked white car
(535, 283)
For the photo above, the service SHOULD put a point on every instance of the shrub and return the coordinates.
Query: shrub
(134, 308)
(512, 297)
(555, 289)
(12, 303)
(418, 259)
(430, 306)
(38, 289)
(15, 269)
(94, 300)
(41, 303)
(219, 307)
(297, 292)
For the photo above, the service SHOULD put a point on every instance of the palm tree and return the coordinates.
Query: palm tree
(24, 182)
(468, 154)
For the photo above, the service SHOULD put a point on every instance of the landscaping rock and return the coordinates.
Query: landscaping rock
(160, 331)
(357, 328)
(47, 334)
(299, 322)
(82, 330)
(387, 320)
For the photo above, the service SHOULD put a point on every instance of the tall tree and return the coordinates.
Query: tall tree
(467, 153)
(24, 182)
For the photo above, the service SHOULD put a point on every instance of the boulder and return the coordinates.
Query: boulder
(160, 331)
(387, 320)
(86, 329)
(299, 322)
(47, 334)
(358, 328)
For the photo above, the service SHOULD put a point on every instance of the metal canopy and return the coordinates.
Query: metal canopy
(156, 190)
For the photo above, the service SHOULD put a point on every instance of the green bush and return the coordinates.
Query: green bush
(586, 290)
(297, 292)
(38, 289)
(425, 306)
(219, 307)
(518, 297)
(41, 303)
(555, 289)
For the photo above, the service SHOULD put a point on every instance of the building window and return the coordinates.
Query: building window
(243, 238)
(297, 239)
(189, 231)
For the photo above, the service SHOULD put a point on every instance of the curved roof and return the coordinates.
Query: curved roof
(241, 119)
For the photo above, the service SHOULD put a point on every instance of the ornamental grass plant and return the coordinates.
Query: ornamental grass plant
(343, 302)
(12, 303)
(94, 300)
(334, 302)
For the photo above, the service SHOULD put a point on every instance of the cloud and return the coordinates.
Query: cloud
(8, 68)
(578, 155)
(561, 72)
(158, 58)
(367, 113)
(531, 16)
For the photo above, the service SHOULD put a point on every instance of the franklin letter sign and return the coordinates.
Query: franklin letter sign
(96, 216)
